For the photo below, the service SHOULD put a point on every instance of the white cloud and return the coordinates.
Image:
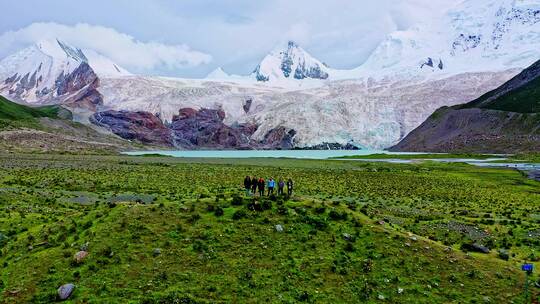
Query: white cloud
(122, 48)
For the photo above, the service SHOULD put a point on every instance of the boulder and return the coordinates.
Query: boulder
(475, 248)
(65, 291)
(80, 256)
(348, 237)
(279, 228)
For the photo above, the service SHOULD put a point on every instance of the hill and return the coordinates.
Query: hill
(49, 129)
(505, 120)
(13, 111)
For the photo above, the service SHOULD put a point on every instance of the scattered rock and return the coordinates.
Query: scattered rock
(475, 248)
(80, 256)
(414, 238)
(504, 255)
(348, 237)
(400, 290)
(279, 228)
(84, 247)
(156, 252)
(381, 297)
(65, 291)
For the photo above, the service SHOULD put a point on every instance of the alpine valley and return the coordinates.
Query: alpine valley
(291, 99)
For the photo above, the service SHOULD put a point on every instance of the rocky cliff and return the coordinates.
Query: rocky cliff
(191, 129)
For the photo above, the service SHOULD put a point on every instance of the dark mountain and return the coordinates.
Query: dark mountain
(505, 120)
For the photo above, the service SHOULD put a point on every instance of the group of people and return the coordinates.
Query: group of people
(254, 185)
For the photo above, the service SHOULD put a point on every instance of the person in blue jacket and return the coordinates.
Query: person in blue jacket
(271, 186)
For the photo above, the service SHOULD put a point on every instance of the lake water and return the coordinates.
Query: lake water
(305, 154)
(533, 170)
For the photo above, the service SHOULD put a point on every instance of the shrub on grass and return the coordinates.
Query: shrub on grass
(218, 211)
(266, 205)
(239, 214)
(337, 216)
(237, 200)
(282, 210)
(320, 209)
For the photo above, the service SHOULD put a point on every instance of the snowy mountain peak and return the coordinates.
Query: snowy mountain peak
(60, 50)
(473, 36)
(292, 62)
(218, 73)
(52, 70)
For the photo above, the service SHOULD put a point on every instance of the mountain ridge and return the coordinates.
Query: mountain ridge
(505, 120)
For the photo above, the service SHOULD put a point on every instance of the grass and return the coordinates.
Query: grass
(216, 246)
(13, 111)
(16, 116)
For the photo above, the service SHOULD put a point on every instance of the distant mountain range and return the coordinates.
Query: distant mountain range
(291, 100)
(505, 120)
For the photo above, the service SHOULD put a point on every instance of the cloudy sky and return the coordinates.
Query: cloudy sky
(189, 38)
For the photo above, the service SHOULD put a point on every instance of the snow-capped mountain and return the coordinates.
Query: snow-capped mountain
(474, 36)
(291, 97)
(291, 63)
(54, 72)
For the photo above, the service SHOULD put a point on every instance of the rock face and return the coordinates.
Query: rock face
(505, 120)
(280, 137)
(142, 126)
(191, 129)
(205, 128)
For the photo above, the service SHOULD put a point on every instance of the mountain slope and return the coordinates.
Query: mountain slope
(520, 94)
(505, 120)
(13, 111)
(49, 129)
(55, 72)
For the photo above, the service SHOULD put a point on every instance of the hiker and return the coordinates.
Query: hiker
(271, 186)
(261, 187)
(247, 185)
(254, 183)
(280, 186)
(290, 187)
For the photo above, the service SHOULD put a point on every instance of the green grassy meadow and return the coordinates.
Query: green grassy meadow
(171, 230)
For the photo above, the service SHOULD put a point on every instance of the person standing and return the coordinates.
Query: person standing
(271, 186)
(254, 184)
(247, 185)
(261, 187)
(280, 186)
(290, 186)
